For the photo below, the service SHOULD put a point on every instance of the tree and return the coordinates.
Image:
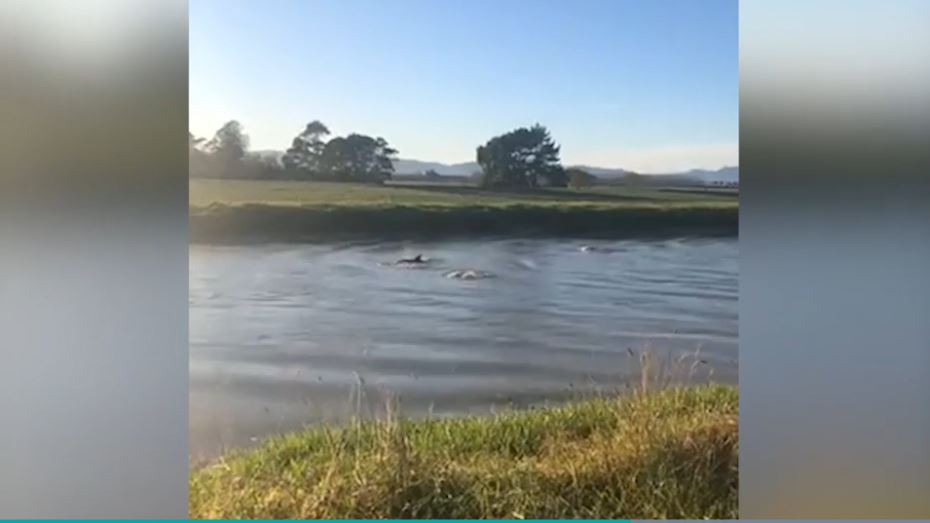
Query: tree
(198, 160)
(257, 166)
(307, 148)
(358, 158)
(431, 174)
(579, 178)
(193, 143)
(521, 158)
(228, 146)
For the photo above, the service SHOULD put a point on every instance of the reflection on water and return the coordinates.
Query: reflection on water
(282, 335)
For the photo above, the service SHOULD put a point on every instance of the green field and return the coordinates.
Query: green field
(667, 454)
(254, 210)
(206, 192)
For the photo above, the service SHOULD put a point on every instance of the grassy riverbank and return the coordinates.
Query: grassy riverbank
(252, 210)
(666, 454)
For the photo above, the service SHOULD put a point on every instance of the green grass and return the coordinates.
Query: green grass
(666, 454)
(245, 210)
(205, 192)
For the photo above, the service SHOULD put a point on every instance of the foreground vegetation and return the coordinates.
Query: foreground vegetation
(242, 210)
(667, 454)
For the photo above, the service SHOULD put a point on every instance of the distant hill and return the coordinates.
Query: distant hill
(601, 172)
(725, 174)
(408, 166)
(404, 166)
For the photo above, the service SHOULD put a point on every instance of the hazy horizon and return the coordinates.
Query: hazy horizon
(641, 86)
(473, 163)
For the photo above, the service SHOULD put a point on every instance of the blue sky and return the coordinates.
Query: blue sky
(650, 85)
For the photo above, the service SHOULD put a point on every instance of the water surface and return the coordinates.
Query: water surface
(283, 335)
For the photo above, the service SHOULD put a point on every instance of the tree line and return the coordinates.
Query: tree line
(352, 158)
(526, 157)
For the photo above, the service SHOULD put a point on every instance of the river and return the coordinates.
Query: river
(289, 334)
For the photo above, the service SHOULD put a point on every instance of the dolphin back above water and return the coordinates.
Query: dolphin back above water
(416, 259)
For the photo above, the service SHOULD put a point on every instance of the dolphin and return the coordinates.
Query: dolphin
(416, 259)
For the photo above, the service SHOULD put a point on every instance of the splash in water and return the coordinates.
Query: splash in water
(597, 249)
(468, 274)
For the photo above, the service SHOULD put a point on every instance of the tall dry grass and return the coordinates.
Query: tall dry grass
(664, 451)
